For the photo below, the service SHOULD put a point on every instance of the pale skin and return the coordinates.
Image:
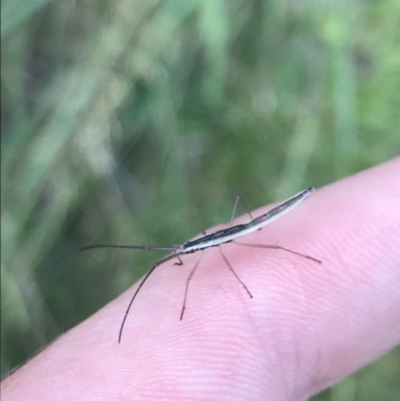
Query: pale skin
(307, 327)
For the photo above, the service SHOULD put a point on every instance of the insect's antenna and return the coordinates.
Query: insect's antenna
(175, 255)
(234, 273)
(150, 248)
(277, 247)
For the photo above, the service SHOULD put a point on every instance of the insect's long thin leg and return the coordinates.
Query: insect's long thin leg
(180, 263)
(238, 198)
(189, 278)
(233, 271)
(145, 247)
(138, 289)
(277, 247)
(187, 284)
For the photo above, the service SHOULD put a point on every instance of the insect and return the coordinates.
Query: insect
(217, 238)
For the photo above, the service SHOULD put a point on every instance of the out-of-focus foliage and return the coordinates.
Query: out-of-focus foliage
(137, 121)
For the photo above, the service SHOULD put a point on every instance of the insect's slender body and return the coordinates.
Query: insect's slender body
(215, 239)
(229, 234)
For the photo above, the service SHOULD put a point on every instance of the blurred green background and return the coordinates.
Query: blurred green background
(137, 121)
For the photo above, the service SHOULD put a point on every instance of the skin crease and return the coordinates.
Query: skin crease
(307, 327)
